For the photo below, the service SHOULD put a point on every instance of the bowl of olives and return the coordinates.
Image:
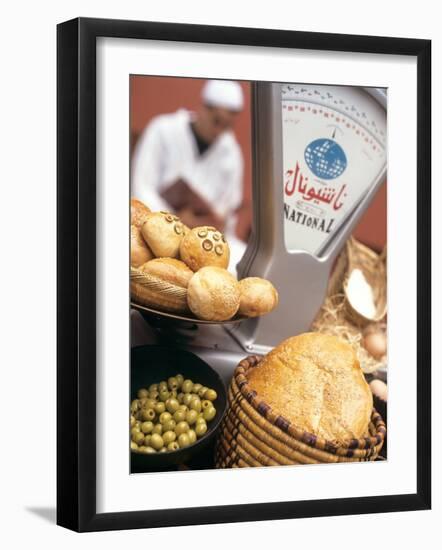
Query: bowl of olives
(177, 403)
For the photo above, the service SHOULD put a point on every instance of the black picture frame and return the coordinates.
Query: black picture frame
(76, 273)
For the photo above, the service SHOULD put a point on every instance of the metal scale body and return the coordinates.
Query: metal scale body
(319, 157)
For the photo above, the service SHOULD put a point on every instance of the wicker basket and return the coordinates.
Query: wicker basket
(153, 292)
(252, 434)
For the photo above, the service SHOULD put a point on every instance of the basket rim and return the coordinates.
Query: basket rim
(265, 410)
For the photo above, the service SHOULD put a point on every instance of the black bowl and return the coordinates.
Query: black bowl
(150, 365)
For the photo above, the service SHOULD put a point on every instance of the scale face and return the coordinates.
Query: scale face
(334, 147)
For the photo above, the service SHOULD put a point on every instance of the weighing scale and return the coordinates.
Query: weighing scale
(319, 156)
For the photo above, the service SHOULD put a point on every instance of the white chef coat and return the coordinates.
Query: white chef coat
(167, 151)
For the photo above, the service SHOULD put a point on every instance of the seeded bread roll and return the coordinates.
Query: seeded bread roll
(258, 297)
(170, 270)
(315, 381)
(138, 211)
(213, 294)
(140, 253)
(163, 232)
(204, 246)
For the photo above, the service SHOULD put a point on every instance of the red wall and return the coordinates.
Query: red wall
(151, 95)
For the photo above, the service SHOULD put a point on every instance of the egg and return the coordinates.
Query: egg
(379, 389)
(376, 344)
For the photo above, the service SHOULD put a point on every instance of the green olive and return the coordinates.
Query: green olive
(181, 427)
(147, 427)
(159, 407)
(210, 394)
(157, 429)
(141, 448)
(134, 406)
(149, 403)
(179, 379)
(183, 407)
(187, 386)
(191, 417)
(202, 391)
(205, 403)
(138, 437)
(192, 436)
(164, 395)
(172, 405)
(209, 413)
(133, 446)
(154, 394)
(200, 429)
(163, 450)
(147, 414)
(180, 397)
(153, 387)
(142, 402)
(164, 417)
(179, 415)
(168, 437)
(172, 383)
(187, 399)
(183, 440)
(150, 450)
(147, 439)
(173, 394)
(132, 421)
(196, 388)
(162, 386)
(200, 419)
(169, 425)
(142, 393)
(173, 446)
(156, 441)
(134, 431)
(195, 404)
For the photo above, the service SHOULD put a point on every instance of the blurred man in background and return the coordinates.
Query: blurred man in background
(191, 164)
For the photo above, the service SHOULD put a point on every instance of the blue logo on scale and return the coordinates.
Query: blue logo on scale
(325, 158)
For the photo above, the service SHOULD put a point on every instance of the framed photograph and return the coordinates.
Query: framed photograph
(243, 317)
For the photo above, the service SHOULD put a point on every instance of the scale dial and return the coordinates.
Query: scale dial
(334, 148)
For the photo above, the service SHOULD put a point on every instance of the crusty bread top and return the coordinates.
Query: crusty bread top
(315, 381)
(138, 211)
(204, 246)
(139, 251)
(170, 270)
(258, 297)
(213, 294)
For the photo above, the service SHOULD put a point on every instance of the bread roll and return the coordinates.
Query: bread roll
(140, 253)
(258, 297)
(170, 270)
(204, 246)
(163, 232)
(315, 381)
(213, 294)
(166, 287)
(138, 211)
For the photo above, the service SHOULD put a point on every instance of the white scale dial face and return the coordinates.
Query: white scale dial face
(334, 148)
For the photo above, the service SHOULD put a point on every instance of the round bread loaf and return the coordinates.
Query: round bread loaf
(163, 232)
(315, 381)
(213, 294)
(204, 246)
(169, 270)
(138, 211)
(140, 253)
(258, 297)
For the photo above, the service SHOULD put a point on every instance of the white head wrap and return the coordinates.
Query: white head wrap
(223, 93)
